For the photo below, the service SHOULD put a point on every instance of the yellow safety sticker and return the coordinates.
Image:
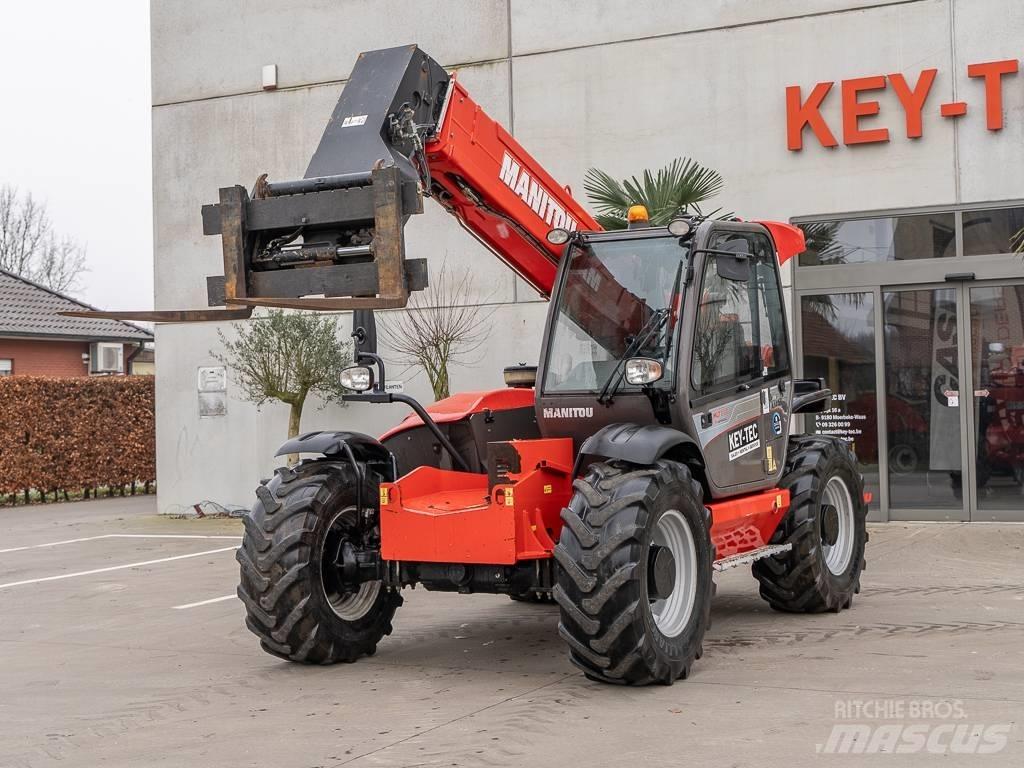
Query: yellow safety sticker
(508, 498)
(385, 495)
(547, 489)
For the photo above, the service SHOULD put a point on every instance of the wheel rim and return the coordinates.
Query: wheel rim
(346, 605)
(903, 459)
(837, 555)
(672, 613)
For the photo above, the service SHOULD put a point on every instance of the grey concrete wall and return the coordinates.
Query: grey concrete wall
(620, 85)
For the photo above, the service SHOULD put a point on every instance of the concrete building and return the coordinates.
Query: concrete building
(894, 130)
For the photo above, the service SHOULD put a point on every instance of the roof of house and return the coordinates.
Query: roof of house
(31, 310)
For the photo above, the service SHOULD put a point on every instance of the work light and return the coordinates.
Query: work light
(358, 377)
(558, 236)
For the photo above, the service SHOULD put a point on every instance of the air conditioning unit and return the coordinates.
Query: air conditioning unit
(106, 358)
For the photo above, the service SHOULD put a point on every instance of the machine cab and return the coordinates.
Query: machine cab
(684, 331)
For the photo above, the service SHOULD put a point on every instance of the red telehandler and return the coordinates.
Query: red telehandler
(648, 448)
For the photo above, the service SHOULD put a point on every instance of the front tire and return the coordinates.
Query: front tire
(826, 526)
(296, 601)
(634, 583)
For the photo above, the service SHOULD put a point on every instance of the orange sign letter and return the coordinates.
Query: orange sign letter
(853, 110)
(993, 72)
(799, 114)
(913, 100)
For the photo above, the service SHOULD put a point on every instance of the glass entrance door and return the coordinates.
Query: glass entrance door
(923, 422)
(996, 415)
(954, 401)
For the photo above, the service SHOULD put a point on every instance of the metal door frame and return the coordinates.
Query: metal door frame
(877, 278)
(967, 469)
(969, 510)
(968, 384)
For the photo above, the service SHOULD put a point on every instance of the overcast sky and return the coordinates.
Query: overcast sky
(75, 131)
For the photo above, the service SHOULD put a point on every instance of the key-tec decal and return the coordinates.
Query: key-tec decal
(744, 440)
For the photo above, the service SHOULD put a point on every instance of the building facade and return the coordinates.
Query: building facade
(892, 131)
(35, 340)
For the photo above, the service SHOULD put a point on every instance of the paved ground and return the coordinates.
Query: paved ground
(107, 667)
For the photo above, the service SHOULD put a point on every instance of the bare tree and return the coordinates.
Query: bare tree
(438, 329)
(30, 248)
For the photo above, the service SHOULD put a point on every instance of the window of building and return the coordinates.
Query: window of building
(891, 238)
(922, 398)
(992, 231)
(6, 367)
(838, 341)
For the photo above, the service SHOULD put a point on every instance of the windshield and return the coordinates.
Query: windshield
(612, 290)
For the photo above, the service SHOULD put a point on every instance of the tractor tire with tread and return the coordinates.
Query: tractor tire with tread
(801, 579)
(301, 514)
(604, 575)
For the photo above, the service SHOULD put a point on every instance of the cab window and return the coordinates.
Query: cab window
(740, 332)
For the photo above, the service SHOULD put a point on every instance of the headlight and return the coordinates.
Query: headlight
(359, 378)
(642, 370)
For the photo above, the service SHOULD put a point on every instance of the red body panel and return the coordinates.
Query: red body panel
(463, 404)
(439, 516)
(480, 166)
(789, 240)
(746, 522)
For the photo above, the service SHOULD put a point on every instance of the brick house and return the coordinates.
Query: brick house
(37, 341)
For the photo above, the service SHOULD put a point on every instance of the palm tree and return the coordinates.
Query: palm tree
(675, 189)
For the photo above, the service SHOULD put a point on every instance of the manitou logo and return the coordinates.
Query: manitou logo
(568, 413)
(534, 195)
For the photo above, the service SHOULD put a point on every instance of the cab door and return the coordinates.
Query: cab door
(739, 362)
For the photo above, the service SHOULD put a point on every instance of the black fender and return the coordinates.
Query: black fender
(635, 443)
(336, 445)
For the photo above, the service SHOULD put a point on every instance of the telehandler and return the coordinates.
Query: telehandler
(648, 448)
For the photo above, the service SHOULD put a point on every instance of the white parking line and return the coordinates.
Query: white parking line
(205, 602)
(115, 568)
(118, 536)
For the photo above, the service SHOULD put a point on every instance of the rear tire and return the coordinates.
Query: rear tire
(816, 576)
(296, 606)
(630, 613)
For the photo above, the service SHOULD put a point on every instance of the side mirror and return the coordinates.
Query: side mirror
(364, 331)
(358, 378)
(734, 261)
(734, 267)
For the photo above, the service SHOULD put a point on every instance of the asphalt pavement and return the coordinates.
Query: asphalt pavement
(123, 645)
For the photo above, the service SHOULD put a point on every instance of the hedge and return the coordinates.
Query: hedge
(76, 434)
